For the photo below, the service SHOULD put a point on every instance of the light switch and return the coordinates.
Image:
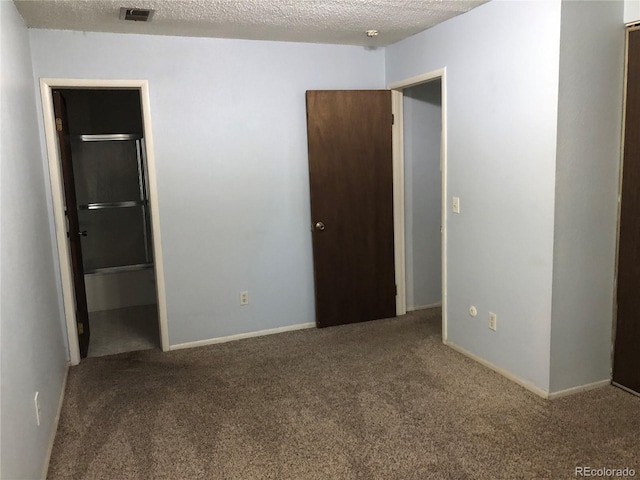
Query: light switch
(456, 204)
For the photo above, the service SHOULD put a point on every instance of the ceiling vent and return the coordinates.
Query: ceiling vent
(136, 14)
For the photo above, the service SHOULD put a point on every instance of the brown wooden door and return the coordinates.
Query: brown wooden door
(626, 361)
(351, 183)
(74, 233)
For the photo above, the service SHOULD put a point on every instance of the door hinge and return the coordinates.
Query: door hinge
(80, 328)
(396, 289)
(393, 119)
(59, 124)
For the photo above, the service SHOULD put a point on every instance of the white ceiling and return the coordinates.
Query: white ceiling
(318, 21)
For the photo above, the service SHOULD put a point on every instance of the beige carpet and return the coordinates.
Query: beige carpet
(377, 400)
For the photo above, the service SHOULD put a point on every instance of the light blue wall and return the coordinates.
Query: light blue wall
(631, 11)
(502, 62)
(422, 108)
(587, 170)
(34, 356)
(229, 124)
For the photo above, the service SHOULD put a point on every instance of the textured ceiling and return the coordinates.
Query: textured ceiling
(318, 21)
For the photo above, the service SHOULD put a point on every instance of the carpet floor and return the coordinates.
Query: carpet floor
(376, 400)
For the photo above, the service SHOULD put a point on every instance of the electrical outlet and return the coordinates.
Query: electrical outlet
(493, 321)
(37, 404)
(244, 298)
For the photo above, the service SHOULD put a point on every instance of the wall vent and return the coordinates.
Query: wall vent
(136, 14)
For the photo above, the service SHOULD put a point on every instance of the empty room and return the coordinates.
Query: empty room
(354, 239)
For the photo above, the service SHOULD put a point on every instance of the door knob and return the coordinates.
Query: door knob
(320, 226)
(83, 233)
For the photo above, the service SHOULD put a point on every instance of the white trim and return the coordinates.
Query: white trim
(443, 166)
(424, 307)
(532, 388)
(154, 209)
(56, 421)
(240, 336)
(55, 175)
(397, 133)
(57, 197)
(579, 389)
(398, 188)
(523, 383)
(418, 79)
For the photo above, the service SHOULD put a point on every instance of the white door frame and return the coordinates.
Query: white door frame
(55, 174)
(397, 94)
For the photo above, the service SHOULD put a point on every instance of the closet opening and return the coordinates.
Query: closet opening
(103, 160)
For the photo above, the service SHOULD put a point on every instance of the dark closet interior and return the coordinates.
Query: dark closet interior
(108, 156)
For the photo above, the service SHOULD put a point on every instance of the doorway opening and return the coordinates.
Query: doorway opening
(419, 137)
(422, 108)
(625, 352)
(105, 206)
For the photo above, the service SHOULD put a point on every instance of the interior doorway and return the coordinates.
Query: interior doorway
(626, 354)
(420, 213)
(106, 190)
(422, 110)
(108, 140)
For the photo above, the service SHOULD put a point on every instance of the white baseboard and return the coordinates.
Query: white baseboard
(578, 389)
(424, 307)
(240, 336)
(56, 421)
(532, 388)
